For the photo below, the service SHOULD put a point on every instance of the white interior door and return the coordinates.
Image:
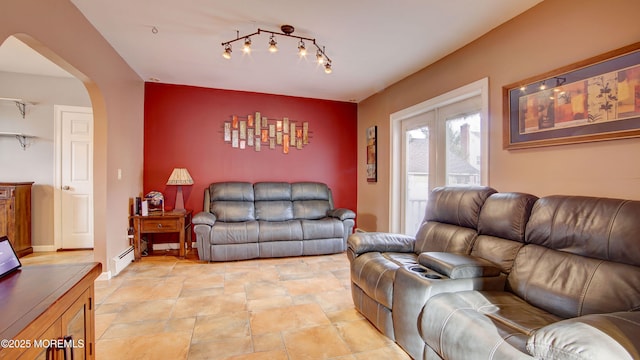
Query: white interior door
(75, 183)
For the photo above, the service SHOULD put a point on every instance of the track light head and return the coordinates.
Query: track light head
(319, 57)
(327, 67)
(246, 48)
(302, 50)
(273, 44)
(227, 52)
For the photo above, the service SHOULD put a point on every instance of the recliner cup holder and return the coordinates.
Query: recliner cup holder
(424, 272)
(432, 276)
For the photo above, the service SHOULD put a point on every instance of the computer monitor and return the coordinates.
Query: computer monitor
(8, 259)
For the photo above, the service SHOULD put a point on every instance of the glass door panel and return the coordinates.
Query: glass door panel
(463, 150)
(416, 176)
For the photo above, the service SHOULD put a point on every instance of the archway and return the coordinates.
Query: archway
(40, 199)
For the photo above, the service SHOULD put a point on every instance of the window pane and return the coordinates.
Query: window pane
(417, 167)
(463, 150)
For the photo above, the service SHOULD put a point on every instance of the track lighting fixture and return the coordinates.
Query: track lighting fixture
(287, 31)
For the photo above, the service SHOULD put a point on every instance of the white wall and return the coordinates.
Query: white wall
(36, 162)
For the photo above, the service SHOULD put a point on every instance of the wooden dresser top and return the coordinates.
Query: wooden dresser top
(28, 293)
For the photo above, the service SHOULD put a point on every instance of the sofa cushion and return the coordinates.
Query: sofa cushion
(310, 200)
(480, 324)
(232, 201)
(233, 211)
(310, 209)
(451, 219)
(231, 191)
(601, 336)
(501, 252)
(234, 233)
(280, 231)
(457, 205)
(599, 228)
(274, 210)
(570, 285)
(501, 228)
(505, 215)
(272, 191)
(322, 229)
(310, 191)
(435, 236)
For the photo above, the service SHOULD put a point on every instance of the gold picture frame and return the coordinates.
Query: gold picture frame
(593, 100)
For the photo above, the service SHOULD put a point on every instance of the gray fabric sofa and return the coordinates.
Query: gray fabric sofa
(552, 278)
(241, 220)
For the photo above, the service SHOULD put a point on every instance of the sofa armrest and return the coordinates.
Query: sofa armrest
(596, 336)
(360, 243)
(458, 266)
(202, 225)
(204, 218)
(341, 214)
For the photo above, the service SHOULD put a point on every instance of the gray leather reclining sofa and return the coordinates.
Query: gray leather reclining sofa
(506, 276)
(242, 220)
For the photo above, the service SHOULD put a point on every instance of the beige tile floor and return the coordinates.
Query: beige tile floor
(291, 308)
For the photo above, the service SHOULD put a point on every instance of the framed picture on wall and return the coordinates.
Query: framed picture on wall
(372, 159)
(596, 99)
(227, 131)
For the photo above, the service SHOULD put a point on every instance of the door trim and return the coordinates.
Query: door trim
(479, 87)
(57, 178)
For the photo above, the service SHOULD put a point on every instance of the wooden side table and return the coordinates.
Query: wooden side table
(169, 222)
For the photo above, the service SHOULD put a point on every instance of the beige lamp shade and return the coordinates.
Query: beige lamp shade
(180, 176)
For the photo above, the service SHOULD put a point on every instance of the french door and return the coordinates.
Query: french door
(442, 145)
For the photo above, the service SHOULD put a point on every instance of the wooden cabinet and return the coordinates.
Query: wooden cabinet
(68, 334)
(15, 215)
(48, 312)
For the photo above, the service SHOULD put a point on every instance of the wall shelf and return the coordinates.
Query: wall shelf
(24, 139)
(20, 104)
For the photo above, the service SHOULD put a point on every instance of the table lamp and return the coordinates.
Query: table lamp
(179, 177)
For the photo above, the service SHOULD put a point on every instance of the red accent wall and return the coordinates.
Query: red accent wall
(183, 127)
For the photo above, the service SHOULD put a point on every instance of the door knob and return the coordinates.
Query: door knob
(66, 187)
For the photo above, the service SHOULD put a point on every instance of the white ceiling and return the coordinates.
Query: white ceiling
(17, 57)
(372, 43)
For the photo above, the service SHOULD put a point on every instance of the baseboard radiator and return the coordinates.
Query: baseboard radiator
(121, 261)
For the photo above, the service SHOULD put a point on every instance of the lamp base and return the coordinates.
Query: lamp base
(179, 206)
